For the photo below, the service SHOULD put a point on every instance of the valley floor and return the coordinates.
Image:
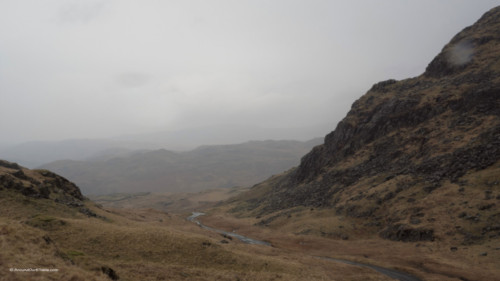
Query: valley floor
(130, 244)
(148, 244)
(437, 260)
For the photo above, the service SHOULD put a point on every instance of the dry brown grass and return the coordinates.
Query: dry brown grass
(180, 202)
(428, 260)
(455, 253)
(25, 247)
(140, 245)
(149, 244)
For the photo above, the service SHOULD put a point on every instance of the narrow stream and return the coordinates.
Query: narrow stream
(398, 275)
(231, 234)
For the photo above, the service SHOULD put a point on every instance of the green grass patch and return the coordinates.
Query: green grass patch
(46, 222)
(74, 253)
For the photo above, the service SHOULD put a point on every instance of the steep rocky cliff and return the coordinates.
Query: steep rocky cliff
(411, 146)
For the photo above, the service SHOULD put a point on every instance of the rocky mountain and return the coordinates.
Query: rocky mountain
(416, 159)
(203, 168)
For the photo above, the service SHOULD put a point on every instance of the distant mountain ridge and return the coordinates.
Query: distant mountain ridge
(35, 153)
(410, 151)
(203, 168)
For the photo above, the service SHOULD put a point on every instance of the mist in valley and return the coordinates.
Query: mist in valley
(80, 77)
(249, 140)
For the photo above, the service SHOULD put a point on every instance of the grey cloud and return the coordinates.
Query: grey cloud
(132, 79)
(93, 69)
(461, 53)
(80, 11)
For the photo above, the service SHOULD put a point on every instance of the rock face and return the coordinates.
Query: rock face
(41, 184)
(409, 134)
(426, 126)
(407, 234)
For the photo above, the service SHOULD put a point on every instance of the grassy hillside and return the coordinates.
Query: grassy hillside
(409, 180)
(415, 162)
(410, 148)
(200, 169)
(173, 202)
(78, 240)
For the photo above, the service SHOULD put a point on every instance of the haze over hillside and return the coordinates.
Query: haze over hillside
(406, 187)
(99, 69)
(35, 153)
(203, 168)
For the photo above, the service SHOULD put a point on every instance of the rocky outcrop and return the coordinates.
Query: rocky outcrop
(405, 233)
(396, 115)
(41, 184)
(54, 182)
(465, 47)
(426, 130)
(9, 165)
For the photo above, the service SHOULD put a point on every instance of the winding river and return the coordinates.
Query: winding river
(398, 275)
(231, 234)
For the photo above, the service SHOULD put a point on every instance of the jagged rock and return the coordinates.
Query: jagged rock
(490, 228)
(226, 236)
(486, 206)
(20, 175)
(62, 183)
(470, 238)
(87, 212)
(47, 239)
(382, 87)
(30, 191)
(9, 165)
(111, 273)
(41, 184)
(10, 182)
(401, 232)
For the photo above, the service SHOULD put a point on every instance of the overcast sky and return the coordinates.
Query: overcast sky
(101, 68)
